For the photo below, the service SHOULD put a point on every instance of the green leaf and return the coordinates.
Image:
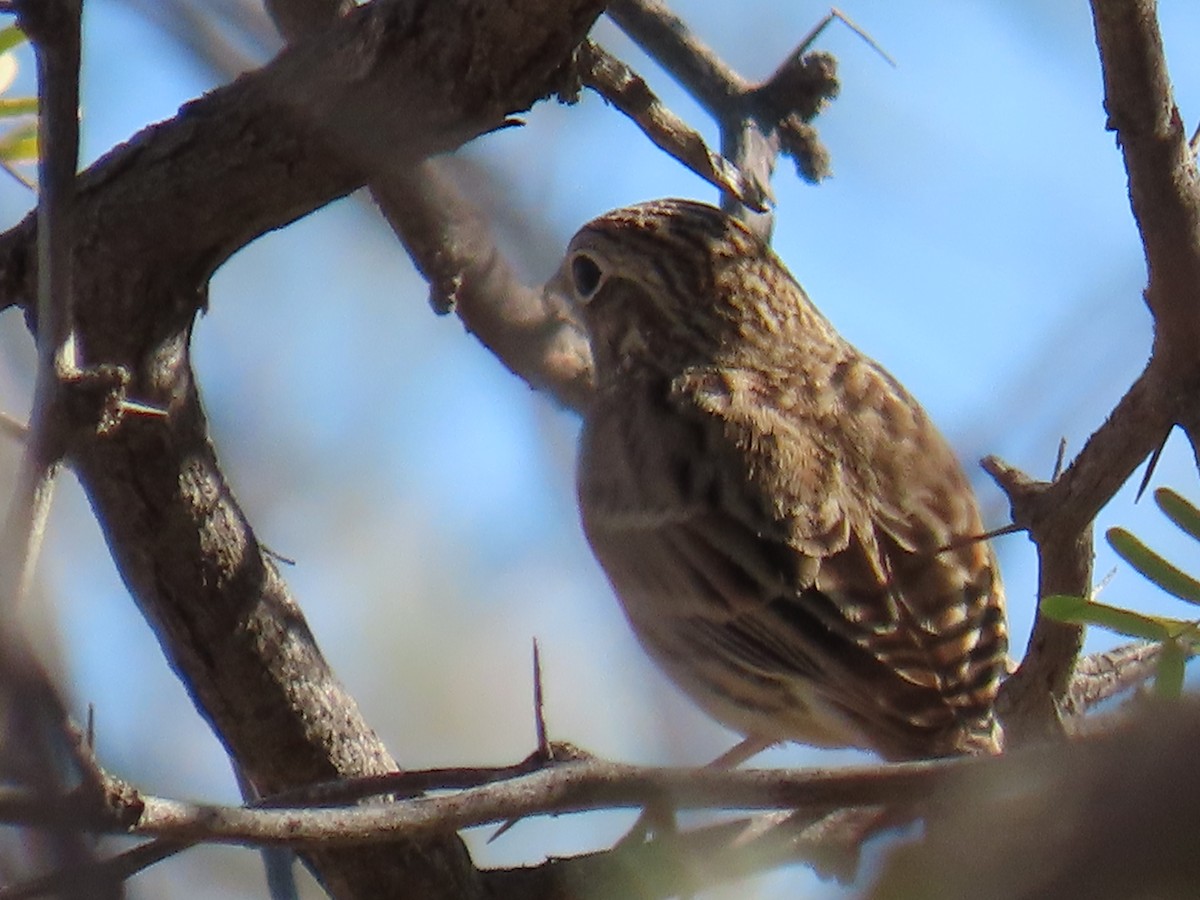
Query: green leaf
(1168, 680)
(20, 144)
(1129, 623)
(1065, 607)
(1179, 511)
(1171, 579)
(18, 106)
(1081, 611)
(11, 37)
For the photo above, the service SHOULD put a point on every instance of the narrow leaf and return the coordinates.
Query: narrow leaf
(19, 145)
(1065, 607)
(1179, 511)
(1132, 624)
(1079, 611)
(1171, 579)
(18, 106)
(11, 37)
(1168, 680)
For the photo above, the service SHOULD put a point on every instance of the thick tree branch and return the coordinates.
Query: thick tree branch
(1163, 187)
(385, 86)
(534, 332)
(1030, 699)
(667, 38)
(1165, 196)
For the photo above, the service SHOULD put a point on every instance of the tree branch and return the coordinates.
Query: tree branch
(384, 86)
(1165, 195)
(532, 330)
(627, 91)
(756, 121)
(1163, 186)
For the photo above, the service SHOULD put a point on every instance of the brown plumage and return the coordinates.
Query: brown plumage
(768, 502)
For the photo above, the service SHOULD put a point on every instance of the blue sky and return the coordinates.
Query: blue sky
(976, 239)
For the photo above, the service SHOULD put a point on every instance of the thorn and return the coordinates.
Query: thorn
(835, 13)
(1103, 583)
(18, 431)
(503, 828)
(966, 541)
(138, 408)
(862, 33)
(1150, 467)
(1059, 459)
(275, 555)
(740, 752)
(544, 751)
(13, 171)
(539, 708)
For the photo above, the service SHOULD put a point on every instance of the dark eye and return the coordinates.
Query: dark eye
(586, 275)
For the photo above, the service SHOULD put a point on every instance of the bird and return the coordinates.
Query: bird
(791, 538)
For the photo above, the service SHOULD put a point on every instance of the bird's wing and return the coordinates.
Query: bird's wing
(841, 543)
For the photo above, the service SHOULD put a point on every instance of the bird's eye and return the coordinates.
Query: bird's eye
(586, 275)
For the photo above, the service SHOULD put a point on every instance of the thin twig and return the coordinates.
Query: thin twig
(1030, 699)
(114, 870)
(857, 29)
(1101, 676)
(734, 849)
(342, 792)
(13, 428)
(277, 861)
(1060, 458)
(690, 61)
(573, 786)
(539, 706)
(627, 91)
(756, 121)
(53, 29)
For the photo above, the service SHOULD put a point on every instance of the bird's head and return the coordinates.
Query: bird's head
(673, 283)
